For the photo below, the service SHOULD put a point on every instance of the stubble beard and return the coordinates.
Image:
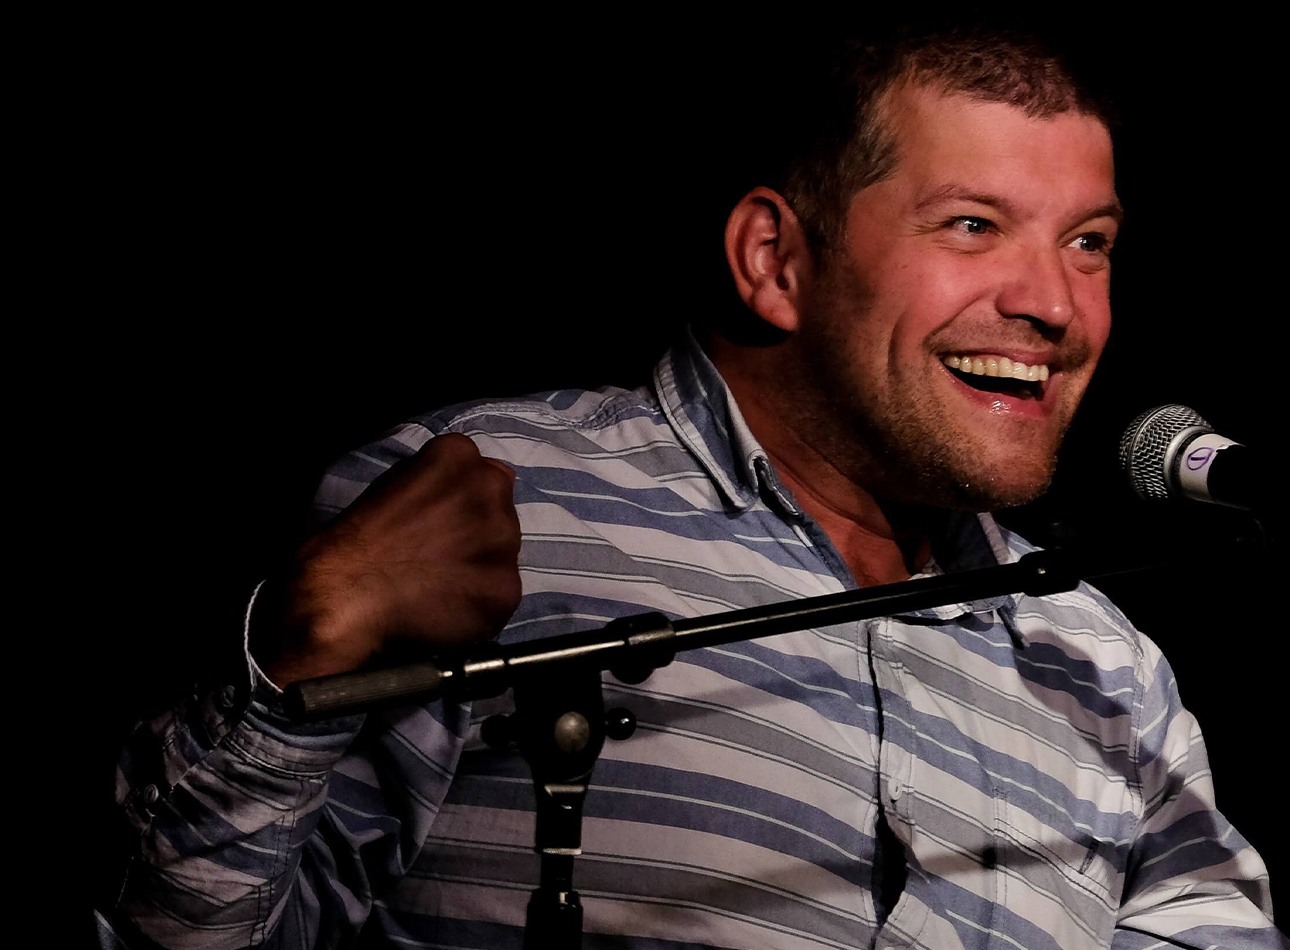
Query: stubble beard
(902, 444)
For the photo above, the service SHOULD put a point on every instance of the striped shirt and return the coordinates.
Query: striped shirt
(1030, 754)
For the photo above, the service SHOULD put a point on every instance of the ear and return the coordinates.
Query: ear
(769, 258)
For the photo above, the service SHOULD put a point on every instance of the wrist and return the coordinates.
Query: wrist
(291, 639)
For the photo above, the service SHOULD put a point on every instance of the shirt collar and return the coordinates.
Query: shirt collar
(703, 413)
(968, 542)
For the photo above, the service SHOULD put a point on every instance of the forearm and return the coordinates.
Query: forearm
(221, 795)
(238, 839)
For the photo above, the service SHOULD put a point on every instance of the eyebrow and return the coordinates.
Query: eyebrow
(1112, 209)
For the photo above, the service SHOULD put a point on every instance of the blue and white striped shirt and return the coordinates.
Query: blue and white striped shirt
(1030, 754)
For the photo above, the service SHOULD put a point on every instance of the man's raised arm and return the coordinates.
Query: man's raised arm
(239, 836)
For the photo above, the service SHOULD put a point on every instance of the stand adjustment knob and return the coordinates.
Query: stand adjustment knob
(572, 732)
(498, 732)
(620, 723)
(632, 673)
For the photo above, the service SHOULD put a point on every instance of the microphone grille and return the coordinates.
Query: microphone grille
(1144, 447)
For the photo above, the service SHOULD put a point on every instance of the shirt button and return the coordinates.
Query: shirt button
(895, 789)
(151, 795)
(227, 697)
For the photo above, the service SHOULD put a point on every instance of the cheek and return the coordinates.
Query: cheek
(1095, 315)
(935, 295)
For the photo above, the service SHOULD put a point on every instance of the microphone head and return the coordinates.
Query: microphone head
(1150, 444)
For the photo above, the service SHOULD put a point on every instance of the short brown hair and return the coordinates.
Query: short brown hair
(844, 145)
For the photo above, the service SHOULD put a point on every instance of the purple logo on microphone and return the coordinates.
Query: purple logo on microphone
(1200, 458)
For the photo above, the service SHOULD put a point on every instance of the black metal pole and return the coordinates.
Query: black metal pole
(646, 641)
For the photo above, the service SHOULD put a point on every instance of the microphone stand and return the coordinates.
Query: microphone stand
(560, 724)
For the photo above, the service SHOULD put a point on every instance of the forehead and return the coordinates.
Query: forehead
(946, 141)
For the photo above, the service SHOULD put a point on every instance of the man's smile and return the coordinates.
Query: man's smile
(1004, 386)
(999, 366)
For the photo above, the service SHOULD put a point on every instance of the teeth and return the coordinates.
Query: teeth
(997, 366)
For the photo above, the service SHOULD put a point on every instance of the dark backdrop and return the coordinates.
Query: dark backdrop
(298, 234)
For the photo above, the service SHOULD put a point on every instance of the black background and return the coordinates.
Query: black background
(293, 235)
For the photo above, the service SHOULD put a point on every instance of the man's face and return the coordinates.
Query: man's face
(988, 243)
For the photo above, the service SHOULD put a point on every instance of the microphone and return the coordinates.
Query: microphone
(1171, 452)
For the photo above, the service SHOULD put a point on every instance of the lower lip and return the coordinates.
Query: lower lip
(1006, 404)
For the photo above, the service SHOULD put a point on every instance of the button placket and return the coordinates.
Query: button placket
(895, 763)
(150, 798)
(909, 917)
(895, 789)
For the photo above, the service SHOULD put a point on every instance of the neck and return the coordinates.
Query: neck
(881, 542)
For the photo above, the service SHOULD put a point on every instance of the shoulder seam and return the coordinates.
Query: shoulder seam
(1113, 618)
(1135, 727)
(610, 410)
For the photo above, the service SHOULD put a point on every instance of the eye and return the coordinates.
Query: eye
(966, 224)
(1093, 243)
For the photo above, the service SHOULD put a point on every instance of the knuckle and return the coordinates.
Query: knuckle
(508, 591)
(511, 537)
(496, 482)
(502, 529)
(451, 446)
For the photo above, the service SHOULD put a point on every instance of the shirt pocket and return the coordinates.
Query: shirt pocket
(1058, 868)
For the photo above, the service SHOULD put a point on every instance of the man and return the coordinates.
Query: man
(931, 278)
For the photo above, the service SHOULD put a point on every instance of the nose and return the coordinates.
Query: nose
(1039, 289)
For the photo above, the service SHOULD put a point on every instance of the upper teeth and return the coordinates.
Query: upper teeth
(996, 366)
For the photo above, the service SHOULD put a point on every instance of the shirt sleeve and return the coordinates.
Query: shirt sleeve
(246, 829)
(1191, 880)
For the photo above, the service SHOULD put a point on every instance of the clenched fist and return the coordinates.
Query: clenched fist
(427, 555)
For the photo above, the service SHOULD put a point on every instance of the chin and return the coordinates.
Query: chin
(993, 498)
(969, 491)
(975, 487)
(991, 491)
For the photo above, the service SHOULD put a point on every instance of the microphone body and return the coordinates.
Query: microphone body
(1236, 477)
(1171, 452)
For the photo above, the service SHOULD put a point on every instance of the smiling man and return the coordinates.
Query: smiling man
(934, 351)
(927, 287)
